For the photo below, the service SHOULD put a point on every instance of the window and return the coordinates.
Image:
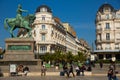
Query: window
(43, 17)
(108, 56)
(106, 9)
(101, 56)
(107, 26)
(43, 37)
(43, 27)
(43, 49)
(107, 36)
(43, 9)
(107, 16)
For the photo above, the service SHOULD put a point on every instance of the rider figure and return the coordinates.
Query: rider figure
(19, 13)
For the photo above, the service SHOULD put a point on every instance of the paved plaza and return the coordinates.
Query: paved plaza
(56, 78)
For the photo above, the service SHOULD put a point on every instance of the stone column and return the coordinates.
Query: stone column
(37, 48)
(38, 51)
(48, 48)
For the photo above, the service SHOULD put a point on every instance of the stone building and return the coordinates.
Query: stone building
(51, 34)
(107, 32)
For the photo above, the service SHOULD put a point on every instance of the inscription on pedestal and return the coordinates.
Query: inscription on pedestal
(19, 47)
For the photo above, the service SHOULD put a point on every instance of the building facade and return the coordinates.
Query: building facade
(71, 45)
(107, 33)
(50, 34)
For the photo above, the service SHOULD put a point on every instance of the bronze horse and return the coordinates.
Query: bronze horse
(14, 23)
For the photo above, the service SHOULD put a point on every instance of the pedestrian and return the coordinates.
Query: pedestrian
(26, 70)
(101, 64)
(65, 70)
(43, 70)
(109, 74)
(112, 74)
(71, 70)
(82, 68)
(77, 71)
(114, 77)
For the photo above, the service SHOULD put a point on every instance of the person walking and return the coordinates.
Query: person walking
(71, 70)
(43, 70)
(110, 73)
(65, 70)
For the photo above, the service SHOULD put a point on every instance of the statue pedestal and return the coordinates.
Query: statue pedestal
(19, 49)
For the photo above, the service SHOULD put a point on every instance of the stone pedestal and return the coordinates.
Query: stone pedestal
(19, 49)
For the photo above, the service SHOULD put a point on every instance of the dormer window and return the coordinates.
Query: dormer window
(106, 9)
(43, 9)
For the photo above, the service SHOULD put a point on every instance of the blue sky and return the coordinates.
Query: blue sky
(79, 13)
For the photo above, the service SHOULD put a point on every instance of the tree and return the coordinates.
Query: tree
(81, 56)
(69, 57)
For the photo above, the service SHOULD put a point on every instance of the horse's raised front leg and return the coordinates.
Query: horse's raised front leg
(11, 32)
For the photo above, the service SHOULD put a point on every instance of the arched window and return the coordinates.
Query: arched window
(43, 10)
(43, 49)
(43, 37)
(43, 27)
(107, 36)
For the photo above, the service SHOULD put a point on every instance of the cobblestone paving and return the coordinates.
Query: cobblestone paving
(56, 78)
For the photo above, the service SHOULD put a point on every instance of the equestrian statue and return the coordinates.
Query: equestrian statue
(19, 22)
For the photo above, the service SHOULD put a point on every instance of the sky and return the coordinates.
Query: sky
(80, 14)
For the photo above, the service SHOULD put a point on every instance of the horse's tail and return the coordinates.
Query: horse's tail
(5, 24)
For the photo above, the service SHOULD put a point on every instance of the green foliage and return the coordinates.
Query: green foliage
(58, 56)
(69, 57)
(81, 56)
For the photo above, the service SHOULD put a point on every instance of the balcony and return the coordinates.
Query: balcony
(108, 48)
(99, 30)
(107, 29)
(46, 42)
(43, 31)
(43, 22)
(105, 41)
(104, 19)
